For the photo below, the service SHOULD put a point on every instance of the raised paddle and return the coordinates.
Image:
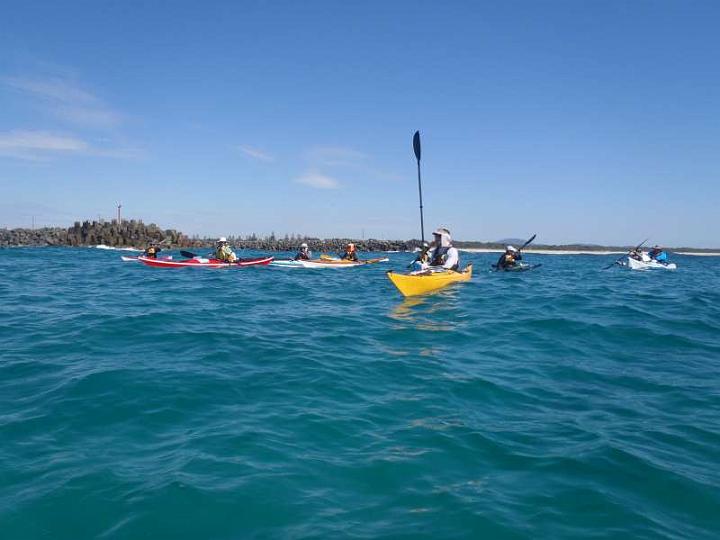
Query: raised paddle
(417, 150)
(526, 244)
(625, 255)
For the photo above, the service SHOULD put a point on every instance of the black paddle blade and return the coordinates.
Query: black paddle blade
(188, 254)
(526, 244)
(416, 144)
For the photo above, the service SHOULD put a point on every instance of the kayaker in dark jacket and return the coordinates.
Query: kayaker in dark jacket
(350, 253)
(152, 250)
(303, 254)
(509, 258)
(657, 254)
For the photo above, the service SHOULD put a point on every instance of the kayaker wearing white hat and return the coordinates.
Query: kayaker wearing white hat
(223, 251)
(303, 254)
(509, 258)
(444, 254)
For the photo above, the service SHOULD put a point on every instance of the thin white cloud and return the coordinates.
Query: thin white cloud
(256, 153)
(67, 101)
(43, 145)
(40, 140)
(53, 89)
(92, 117)
(318, 181)
(346, 162)
(333, 156)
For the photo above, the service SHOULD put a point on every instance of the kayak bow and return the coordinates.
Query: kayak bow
(415, 284)
(136, 258)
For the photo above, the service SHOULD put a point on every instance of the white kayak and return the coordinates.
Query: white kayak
(326, 263)
(634, 264)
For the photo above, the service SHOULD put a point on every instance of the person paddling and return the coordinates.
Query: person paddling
(152, 251)
(444, 254)
(223, 251)
(639, 255)
(350, 253)
(509, 259)
(423, 259)
(303, 253)
(658, 254)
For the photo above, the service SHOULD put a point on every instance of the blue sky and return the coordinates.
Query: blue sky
(579, 121)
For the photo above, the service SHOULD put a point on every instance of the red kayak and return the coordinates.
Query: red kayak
(199, 262)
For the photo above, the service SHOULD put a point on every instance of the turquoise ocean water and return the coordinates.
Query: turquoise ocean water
(282, 403)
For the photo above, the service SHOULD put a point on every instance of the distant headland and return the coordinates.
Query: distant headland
(136, 234)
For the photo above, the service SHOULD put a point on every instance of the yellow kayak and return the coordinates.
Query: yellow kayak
(414, 284)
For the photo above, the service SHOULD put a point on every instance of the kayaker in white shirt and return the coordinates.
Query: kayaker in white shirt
(444, 254)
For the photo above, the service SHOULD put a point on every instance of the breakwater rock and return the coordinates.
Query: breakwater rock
(129, 233)
(318, 245)
(134, 233)
(47, 236)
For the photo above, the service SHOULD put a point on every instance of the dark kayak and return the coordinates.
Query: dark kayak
(517, 268)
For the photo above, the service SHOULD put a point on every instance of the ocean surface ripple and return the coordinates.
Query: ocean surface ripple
(568, 402)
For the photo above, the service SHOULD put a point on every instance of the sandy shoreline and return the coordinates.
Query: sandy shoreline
(580, 252)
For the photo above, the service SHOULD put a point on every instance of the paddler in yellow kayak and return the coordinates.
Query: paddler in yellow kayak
(423, 259)
(443, 255)
(223, 251)
(350, 253)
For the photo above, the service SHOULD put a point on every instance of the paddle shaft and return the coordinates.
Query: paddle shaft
(416, 149)
(621, 258)
(526, 244)
(422, 224)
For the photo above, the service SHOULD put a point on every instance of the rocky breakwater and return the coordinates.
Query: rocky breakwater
(46, 236)
(131, 233)
(317, 245)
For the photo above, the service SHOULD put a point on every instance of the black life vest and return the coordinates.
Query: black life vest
(439, 256)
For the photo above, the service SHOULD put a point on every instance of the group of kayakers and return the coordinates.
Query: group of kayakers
(350, 253)
(655, 254)
(439, 255)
